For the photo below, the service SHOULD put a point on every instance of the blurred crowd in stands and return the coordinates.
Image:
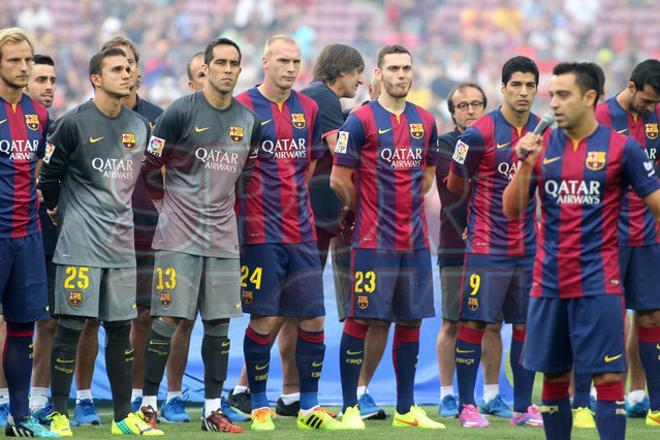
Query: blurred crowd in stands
(451, 40)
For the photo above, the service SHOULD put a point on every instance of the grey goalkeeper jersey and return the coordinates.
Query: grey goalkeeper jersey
(89, 172)
(206, 153)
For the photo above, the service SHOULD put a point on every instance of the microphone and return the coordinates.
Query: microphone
(546, 121)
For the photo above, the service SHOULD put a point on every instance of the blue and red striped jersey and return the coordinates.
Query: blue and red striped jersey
(389, 154)
(485, 154)
(275, 206)
(22, 142)
(637, 226)
(581, 186)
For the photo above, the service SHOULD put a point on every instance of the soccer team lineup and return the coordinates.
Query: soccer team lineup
(137, 218)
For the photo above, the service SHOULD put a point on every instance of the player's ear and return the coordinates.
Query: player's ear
(96, 80)
(591, 96)
(631, 87)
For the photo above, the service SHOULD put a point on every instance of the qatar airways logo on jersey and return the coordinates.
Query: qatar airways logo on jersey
(114, 168)
(402, 157)
(218, 160)
(507, 169)
(20, 149)
(286, 148)
(574, 192)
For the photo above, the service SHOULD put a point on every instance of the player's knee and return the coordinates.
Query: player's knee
(474, 325)
(496, 328)
(47, 327)
(217, 328)
(649, 318)
(264, 324)
(312, 324)
(92, 324)
(602, 378)
(449, 328)
(117, 332)
(186, 325)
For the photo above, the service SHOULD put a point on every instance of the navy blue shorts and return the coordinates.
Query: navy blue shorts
(640, 273)
(23, 279)
(583, 332)
(496, 287)
(282, 280)
(391, 285)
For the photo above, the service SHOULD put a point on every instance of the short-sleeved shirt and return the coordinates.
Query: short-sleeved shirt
(325, 203)
(389, 154)
(453, 208)
(97, 160)
(581, 187)
(22, 141)
(637, 225)
(485, 153)
(275, 206)
(145, 215)
(205, 152)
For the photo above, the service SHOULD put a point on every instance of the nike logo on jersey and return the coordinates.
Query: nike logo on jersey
(547, 160)
(3, 121)
(260, 367)
(414, 424)
(609, 359)
(498, 146)
(381, 131)
(199, 130)
(622, 131)
(94, 140)
(225, 344)
(316, 364)
(458, 350)
(266, 122)
(128, 352)
(353, 353)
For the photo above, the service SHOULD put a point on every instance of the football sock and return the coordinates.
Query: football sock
(17, 362)
(156, 352)
(611, 411)
(468, 355)
(523, 379)
(310, 351)
(63, 361)
(215, 355)
(119, 363)
(351, 353)
(582, 384)
(405, 349)
(556, 410)
(256, 349)
(649, 352)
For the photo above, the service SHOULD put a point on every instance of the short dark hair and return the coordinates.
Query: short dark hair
(208, 53)
(587, 76)
(334, 60)
(519, 64)
(122, 41)
(188, 69)
(646, 73)
(391, 49)
(96, 62)
(43, 59)
(600, 74)
(461, 86)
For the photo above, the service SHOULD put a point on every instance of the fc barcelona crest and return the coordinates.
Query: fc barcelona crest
(247, 297)
(416, 131)
(128, 140)
(165, 299)
(298, 120)
(473, 303)
(32, 122)
(363, 301)
(236, 134)
(75, 299)
(651, 131)
(595, 160)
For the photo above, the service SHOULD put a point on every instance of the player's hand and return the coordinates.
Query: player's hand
(52, 214)
(347, 219)
(529, 147)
